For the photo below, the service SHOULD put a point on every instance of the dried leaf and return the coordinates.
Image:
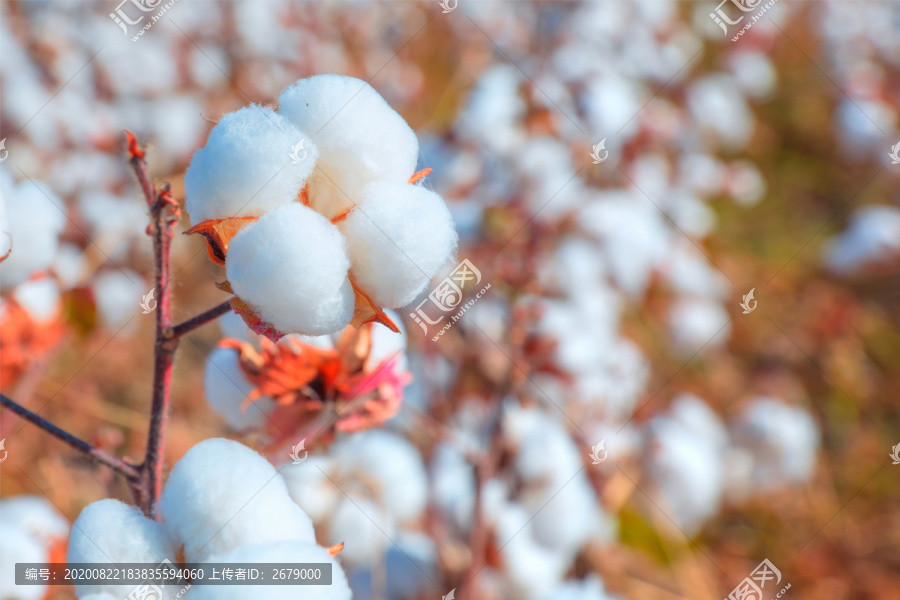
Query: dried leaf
(419, 175)
(367, 312)
(218, 233)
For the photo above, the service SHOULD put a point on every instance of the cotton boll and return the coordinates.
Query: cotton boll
(453, 484)
(685, 460)
(360, 138)
(391, 461)
(720, 109)
(18, 546)
(278, 552)
(109, 531)
(291, 266)
(222, 495)
(364, 526)
(533, 569)
(565, 517)
(70, 266)
(118, 294)
(410, 570)
(698, 323)
(783, 441)
(227, 389)
(34, 219)
(39, 297)
(397, 240)
(310, 486)
(35, 516)
(114, 222)
(246, 168)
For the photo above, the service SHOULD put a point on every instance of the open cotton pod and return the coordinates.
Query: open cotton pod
(361, 139)
(398, 238)
(246, 167)
(291, 267)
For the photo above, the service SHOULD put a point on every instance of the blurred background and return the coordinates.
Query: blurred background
(688, 358)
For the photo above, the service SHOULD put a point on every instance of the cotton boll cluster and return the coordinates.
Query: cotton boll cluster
(222, 502)
(369, 486)
(695, 462)
(33, 531)
(331, 222)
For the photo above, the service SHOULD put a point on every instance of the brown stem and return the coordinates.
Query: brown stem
(130, 472)
(164, 215)
(201, 319)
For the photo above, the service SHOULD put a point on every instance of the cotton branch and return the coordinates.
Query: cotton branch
(130, 472)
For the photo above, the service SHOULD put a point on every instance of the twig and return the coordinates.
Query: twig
(130, 472)
(201, 319)
(164, 214)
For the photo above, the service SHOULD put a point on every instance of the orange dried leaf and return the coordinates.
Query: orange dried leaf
(8, 252)
(419, 175)
(336, 549)
(218, 233)
(367, 312)
(225, 286)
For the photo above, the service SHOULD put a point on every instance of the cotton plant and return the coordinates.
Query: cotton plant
(314, 210)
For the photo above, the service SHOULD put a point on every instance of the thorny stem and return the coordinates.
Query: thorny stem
(129, 471)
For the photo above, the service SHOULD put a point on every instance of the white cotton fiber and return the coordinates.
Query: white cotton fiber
(34, 219)
(291, 266)
(110, 531)
(227, 388)
(397, 240)
(39, 297)
(17, 546)
(34, 515)
(246, 168)
(222, 495)
(392, 464)
(360, 138)
(365, 527)
(310, 486)
(118, 294)
(277, 552)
